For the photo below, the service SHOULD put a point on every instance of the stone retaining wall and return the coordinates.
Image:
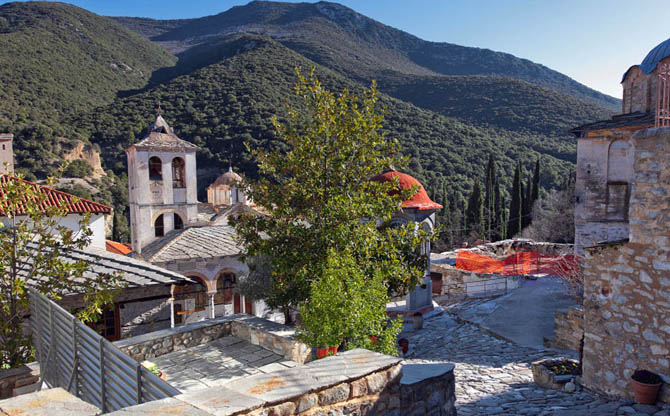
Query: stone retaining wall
(568, 329)
(457, 283)
(357, 382)
(272, 336)
(19, 380)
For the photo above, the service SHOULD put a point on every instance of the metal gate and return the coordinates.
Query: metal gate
(76, 358)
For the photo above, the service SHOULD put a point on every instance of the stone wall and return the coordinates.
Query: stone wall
(568, 329)
(458, 283)
(19, 380)
(157, 343)
(272, 336)
(357, 382)
(627, 286)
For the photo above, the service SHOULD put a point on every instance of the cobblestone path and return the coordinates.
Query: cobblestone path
(493, 377)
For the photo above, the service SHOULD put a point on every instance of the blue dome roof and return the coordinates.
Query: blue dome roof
(655, 56)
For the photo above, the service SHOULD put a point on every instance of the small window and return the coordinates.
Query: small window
(159, 227)
(107, 324)
(178, 222)
(3, 147)
(155, 169)
(178, 179)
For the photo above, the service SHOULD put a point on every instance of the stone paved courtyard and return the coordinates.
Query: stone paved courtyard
(217, 363)
(493, 377)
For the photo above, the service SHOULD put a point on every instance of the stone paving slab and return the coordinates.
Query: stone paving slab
(493, 376)
(220, 401)
(51, 402)
(217, 363)
(164, 407)
(277, 386)
(351, 364)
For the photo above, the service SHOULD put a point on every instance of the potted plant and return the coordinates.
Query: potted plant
(154, 369)
(646, 386)
(403, 343)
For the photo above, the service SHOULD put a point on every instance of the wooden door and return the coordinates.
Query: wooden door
(237, 307)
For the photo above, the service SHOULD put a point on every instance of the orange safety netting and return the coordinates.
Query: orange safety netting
(519, 263)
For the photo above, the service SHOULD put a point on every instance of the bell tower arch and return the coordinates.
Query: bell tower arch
(161, 182)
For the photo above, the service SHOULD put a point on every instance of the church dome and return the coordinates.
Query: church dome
(656, 55)
(228, 178)
(420, 200)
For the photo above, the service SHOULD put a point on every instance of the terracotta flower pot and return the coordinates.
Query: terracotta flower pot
(404, 345)
(332, 350)
(645, 393)
(322, 352)
(163, 376)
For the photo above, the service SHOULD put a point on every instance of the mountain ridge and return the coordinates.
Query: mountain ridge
(411, 54)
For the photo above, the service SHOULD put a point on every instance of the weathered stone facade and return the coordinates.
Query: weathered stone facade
(602, 188)
(627, 285)
(568, 329)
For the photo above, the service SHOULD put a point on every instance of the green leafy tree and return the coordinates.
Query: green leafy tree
(31, 244)
(344, 287)
(318, 199)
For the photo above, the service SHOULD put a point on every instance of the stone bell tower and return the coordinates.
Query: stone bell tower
(162, 187)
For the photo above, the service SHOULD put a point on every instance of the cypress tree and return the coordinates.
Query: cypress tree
(489, 198)
(525, 204)
(536, 182)
(514, 222)
(474, 211)
(499, 220)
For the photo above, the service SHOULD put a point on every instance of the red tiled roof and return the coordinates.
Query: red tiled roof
(118, 248)
(55, 198)
(420, 200)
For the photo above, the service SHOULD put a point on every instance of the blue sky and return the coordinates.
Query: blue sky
(592, 41)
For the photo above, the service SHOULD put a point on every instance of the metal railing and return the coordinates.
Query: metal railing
(76, 358)
(484, 288)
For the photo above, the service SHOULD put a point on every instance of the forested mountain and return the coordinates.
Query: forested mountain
(57, 60)
(222, 106)
(357, 46)
(67, 74)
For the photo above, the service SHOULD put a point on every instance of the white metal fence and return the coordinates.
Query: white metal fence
(76, 358)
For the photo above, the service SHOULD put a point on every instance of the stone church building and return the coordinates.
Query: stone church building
(171, 229)
(605, 151)
(621, 229)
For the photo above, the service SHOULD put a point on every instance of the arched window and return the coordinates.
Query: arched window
(178, 222)
(178, 177)
(159, 227)
(155, 169)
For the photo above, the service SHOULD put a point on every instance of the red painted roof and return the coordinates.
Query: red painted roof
(420, 200)
(118, 248)
(54, 198)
